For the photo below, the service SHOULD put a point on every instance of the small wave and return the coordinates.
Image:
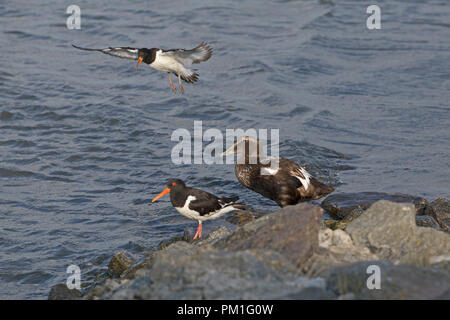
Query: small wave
(7, 173)
(18, 143)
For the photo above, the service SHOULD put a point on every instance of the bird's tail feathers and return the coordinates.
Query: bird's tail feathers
(231, 202)
(228, 201)
(189, 76)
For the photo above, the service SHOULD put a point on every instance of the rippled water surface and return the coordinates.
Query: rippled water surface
(85, 139)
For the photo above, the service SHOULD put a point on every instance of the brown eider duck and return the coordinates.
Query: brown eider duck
(287, 185)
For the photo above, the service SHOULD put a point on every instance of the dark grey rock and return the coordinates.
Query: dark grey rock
(397, 281)
(61, 292)
(288, 255)
(104, 289)
(186, 271)
(242, 217)
(341, 224)
(439, 209)
(340, 205)
(185, 237)
(427, 221)
(119, 263)
(214, 237)
(292, 231)
(389, 230)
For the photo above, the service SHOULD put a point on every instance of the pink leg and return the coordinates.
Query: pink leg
(180, 84)
(174, 89)
(199, 231)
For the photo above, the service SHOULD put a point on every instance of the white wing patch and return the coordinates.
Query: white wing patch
(305, 181)
(191, 214)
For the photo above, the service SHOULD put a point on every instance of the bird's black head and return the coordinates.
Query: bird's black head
(172, 185)
(146, 55)
(175, 184)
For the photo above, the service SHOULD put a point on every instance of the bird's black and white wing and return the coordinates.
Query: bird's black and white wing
(223, 202)
(187, 57)
(204, 202)
(120, 52)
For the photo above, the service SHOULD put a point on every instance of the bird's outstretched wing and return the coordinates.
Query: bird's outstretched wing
(120, 52)
(187, 57)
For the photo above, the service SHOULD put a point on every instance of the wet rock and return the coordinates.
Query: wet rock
(427, 221)
(439, 209)
(288, 254)
(107, 287)
(396, 281)
(343, 205)
(242, 217)
(185, 237)
(336, 224)
(209, 240)
(186, 271)
(292, 231)
(119, 263)
(132, 272)
(341, 224)
(61, 292)
(389, 230)
(214, 236)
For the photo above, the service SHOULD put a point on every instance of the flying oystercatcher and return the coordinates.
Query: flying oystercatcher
(287, 185)
(198, 204)
(171, 61)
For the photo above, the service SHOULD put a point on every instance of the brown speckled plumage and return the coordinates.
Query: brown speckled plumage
(288, 185)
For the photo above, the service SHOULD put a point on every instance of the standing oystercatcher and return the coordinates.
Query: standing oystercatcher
(197, 204)
(171, 61)
(287, 185)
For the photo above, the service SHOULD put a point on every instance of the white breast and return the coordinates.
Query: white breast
(188, 213)
(166, 63)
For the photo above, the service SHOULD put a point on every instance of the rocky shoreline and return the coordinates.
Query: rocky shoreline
(294, 253)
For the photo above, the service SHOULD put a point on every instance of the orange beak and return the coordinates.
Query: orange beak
(139, 62)
(165, 191)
